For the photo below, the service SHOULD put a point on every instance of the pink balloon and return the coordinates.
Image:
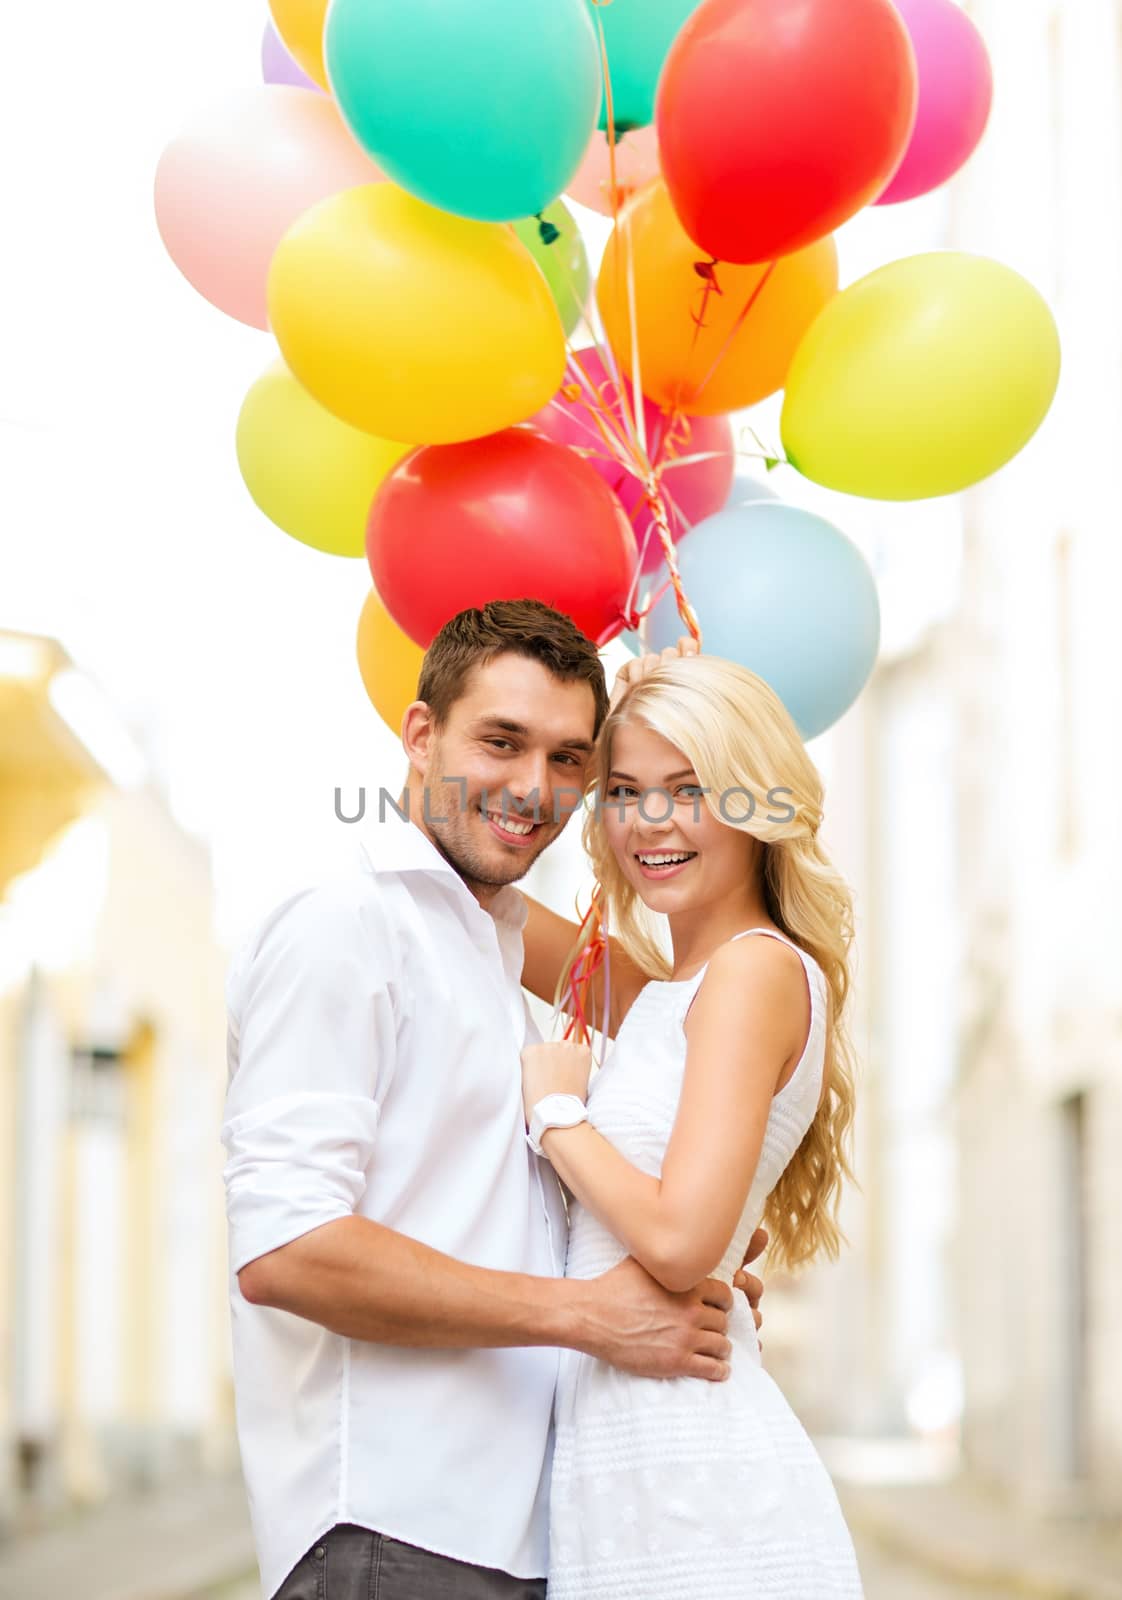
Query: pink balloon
(694, 488)
(955, 95)
(230, 188)
(636, 164)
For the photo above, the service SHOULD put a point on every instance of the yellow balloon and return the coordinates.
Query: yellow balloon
(412, 323)
(300, 24)
(311, 474)
(921, 379)
(389, 661)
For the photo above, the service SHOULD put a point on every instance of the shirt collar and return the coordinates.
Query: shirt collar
(394, 844)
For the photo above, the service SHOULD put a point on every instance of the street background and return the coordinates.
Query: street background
(179, 704)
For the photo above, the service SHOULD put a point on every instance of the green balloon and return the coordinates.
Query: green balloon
(637, 36)
(483, 110)
(554, 241)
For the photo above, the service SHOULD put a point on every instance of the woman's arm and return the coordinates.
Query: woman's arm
(746, 1021)
(549, 939)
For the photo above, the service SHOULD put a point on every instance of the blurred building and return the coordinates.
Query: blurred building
(113, 1343)
(1039, 689)
(978, 801)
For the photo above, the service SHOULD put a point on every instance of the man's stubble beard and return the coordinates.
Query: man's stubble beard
(453, 839)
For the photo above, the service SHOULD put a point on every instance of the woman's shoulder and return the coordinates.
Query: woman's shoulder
(762, 975)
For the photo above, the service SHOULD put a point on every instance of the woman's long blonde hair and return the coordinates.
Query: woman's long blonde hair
(739, 737)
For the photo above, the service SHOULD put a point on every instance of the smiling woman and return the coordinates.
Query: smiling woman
(725, 1100)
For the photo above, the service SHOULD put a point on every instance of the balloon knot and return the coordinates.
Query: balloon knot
(708, 271)
(546, 230)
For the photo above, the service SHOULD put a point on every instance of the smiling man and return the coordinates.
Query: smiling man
(397, 1250)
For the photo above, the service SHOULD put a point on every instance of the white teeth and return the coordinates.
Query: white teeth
(510, 824)
(665, 861)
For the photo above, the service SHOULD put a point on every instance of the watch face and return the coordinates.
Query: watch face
(566, 1108)
(556, 1111)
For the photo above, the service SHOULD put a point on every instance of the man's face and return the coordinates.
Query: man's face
(508, 768)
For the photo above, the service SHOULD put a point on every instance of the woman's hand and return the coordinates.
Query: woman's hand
(632, 671)
(554, 1069)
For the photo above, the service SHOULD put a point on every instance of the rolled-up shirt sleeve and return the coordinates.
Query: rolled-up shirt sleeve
(311, 1053)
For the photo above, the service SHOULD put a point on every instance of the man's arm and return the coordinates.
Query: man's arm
(548, 941)
(364, 1281)
(313, 1026)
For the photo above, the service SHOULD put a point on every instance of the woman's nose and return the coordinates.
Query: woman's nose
(653, 815)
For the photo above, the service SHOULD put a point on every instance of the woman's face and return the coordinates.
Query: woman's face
(668, 843)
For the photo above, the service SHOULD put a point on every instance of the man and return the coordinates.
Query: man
(399, 1250)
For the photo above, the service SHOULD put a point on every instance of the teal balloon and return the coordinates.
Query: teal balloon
(483, 109)
(783, 593)
(556, 245)
(637, 36)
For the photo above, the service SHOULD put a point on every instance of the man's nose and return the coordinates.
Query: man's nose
(531, 781)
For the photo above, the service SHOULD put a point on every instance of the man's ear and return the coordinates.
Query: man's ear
(418, 730)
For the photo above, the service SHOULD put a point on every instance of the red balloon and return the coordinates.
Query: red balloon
(779, 119)
(696, 455)
(510, 516)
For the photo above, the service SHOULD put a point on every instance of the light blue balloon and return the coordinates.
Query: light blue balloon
(483, 109)
(746, 489)
(783, 593)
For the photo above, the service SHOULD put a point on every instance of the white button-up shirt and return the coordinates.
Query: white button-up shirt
(375, 1025)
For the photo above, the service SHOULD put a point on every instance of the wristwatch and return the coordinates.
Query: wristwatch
(554, 1111)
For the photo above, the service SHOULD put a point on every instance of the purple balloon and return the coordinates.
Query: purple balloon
(277, 66)
(955, 93)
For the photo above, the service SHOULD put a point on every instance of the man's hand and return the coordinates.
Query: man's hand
(642, 1328)
(554, 1068)
(751, 1285)
(633, 671)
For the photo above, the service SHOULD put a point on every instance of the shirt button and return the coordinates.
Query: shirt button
(320, 1552)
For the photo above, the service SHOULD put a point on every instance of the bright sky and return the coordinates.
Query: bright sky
(127, 532)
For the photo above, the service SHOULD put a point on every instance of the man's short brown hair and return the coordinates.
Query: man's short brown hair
(520, 627)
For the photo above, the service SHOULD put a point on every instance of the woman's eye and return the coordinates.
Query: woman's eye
(620, 792)
(692, 789)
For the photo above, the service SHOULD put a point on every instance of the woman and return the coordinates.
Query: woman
(726, 1098)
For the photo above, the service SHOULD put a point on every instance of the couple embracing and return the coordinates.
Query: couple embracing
(491, 1322)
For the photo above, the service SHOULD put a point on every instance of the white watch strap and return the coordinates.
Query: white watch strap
(554, 1111)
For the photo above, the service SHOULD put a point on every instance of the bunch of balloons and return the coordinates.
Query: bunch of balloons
(454, 403)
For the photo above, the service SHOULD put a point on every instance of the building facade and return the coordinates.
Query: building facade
(114, 1364)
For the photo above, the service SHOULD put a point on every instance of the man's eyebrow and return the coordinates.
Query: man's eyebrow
(687, 772)
(523, 732)
(504, 723)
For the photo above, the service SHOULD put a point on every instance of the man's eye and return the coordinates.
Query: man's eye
(566, 757)
(505, 743)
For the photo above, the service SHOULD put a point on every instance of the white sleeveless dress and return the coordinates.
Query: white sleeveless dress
(676, 1487)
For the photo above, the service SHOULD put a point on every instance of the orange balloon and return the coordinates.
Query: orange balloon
(752, 317)
(389, 661)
